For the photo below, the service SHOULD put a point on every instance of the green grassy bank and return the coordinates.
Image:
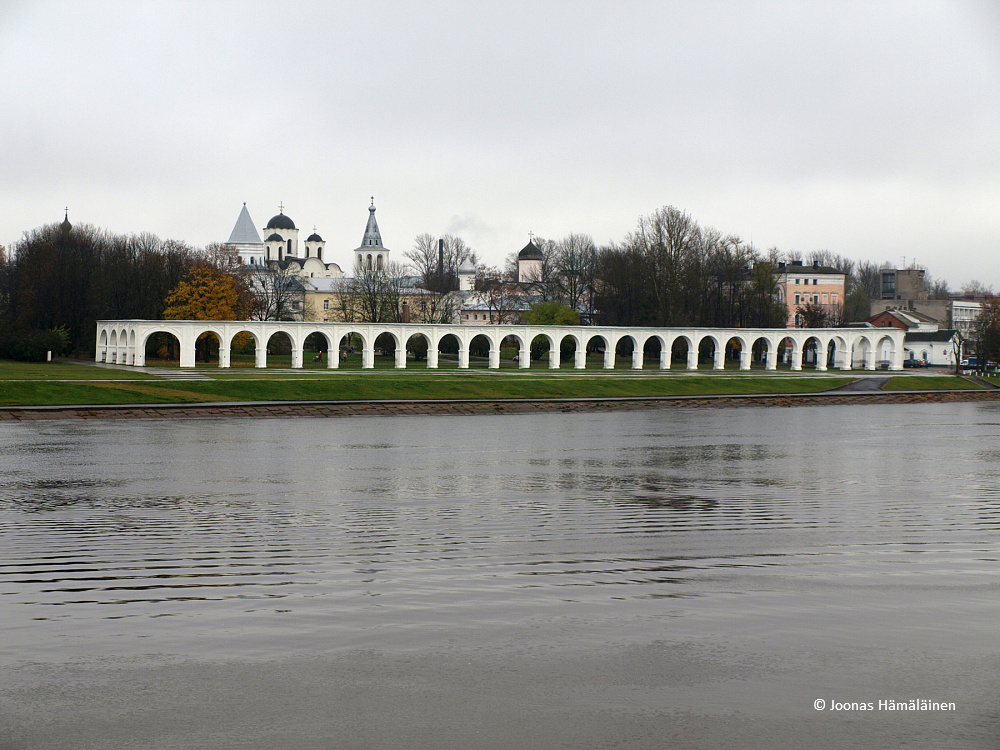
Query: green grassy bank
(929, 383)
(57, 384)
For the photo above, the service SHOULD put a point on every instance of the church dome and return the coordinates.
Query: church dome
(530, 252)
(274, 238)
(280, 222)
(314, 238)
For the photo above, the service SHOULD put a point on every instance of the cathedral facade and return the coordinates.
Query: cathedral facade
(281, 249)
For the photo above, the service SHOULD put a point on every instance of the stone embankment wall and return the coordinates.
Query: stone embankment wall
(477, 406)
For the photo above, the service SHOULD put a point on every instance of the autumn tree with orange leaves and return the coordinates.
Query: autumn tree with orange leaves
(206, 293)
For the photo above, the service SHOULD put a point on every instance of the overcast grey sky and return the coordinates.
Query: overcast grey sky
(871, 129)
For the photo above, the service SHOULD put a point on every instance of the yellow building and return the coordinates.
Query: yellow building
(347, 300)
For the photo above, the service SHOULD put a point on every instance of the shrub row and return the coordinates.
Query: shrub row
(25, 345)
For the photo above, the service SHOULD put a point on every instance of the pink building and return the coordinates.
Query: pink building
(814, 284)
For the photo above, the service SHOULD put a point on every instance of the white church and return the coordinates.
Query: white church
(281, 248)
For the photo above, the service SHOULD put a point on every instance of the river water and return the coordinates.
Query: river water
(693, 578)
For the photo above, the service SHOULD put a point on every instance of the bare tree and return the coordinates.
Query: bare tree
(425, 260)
(976, 288)
(670, 241)
(224, 257)
(276, 294)
(349, 312)
(957, 343)
(502, 294)
(442, 308)
(543, 277)
(836, 316)
(868, 276)
(862, 286)
(986, 331)
(831, 259)
(575, 262)
(813, 315)
(377, 293)
(937, 288)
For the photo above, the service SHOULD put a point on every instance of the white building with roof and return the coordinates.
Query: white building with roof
(245, 240)
(327, 293)
(529, 263)
(473, 307)
(281, 249)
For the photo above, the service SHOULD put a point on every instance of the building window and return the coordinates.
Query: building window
(888, 285)
(797, 299)
(326, 304)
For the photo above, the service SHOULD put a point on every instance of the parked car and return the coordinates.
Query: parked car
(969, 366)
(909, 364)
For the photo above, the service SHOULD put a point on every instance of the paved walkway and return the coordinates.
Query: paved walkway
(160, 372)
(863, 385)
(173, 374)
(263, 409)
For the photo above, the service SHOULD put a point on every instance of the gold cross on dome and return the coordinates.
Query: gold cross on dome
(281, 208)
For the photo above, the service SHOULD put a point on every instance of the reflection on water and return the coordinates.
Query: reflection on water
(783, 543)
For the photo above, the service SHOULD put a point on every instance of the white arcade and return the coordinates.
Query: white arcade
(124, 342)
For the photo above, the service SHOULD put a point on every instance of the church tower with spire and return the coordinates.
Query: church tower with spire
(246, 241)
(372, 254)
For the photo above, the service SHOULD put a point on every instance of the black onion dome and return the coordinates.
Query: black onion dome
(280, 222)
(274, 238)
(530, 252)
(314, 238)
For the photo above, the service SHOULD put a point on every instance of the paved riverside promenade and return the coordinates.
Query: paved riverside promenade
(467, 407)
